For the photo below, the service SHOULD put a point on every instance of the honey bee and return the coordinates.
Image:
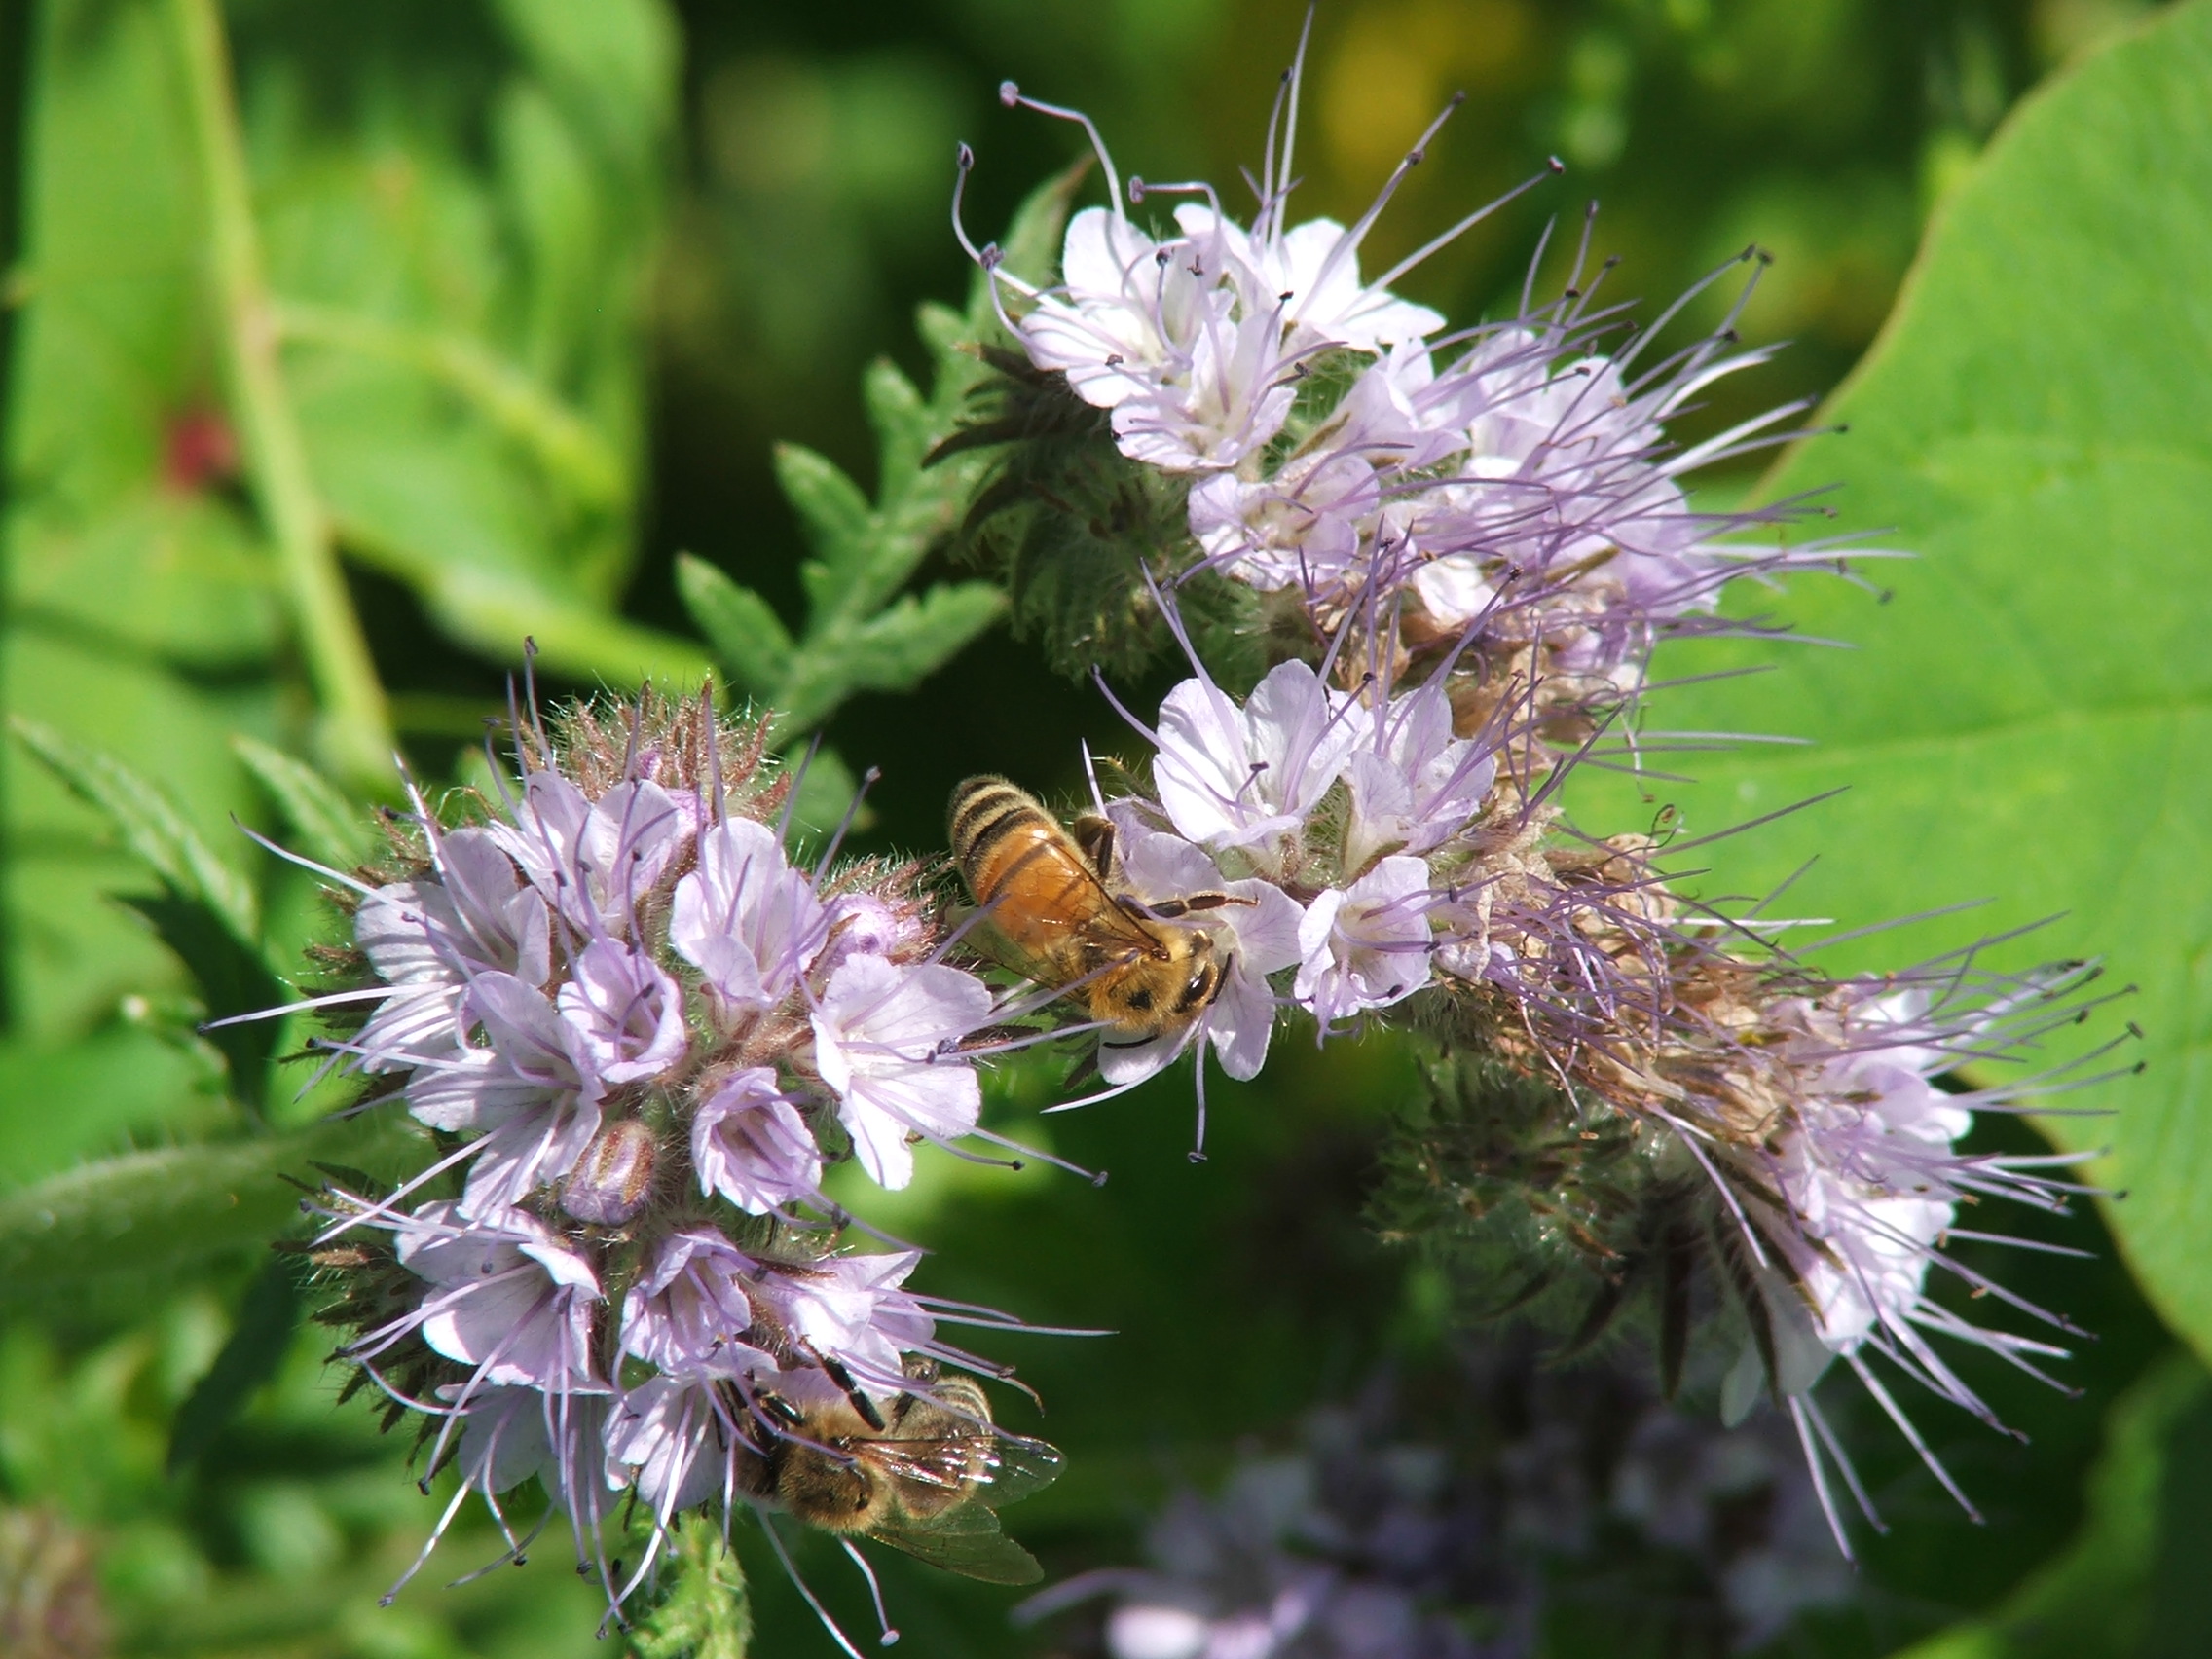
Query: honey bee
(925, 1479)
(1056, 913)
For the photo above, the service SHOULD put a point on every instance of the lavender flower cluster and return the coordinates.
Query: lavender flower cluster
(1508, 490)
(1381, 1536)
(1480, 537)
(639, 1034)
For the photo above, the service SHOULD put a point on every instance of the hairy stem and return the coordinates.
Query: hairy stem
(355, 731)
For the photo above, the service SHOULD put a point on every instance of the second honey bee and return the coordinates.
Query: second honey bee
(925, 1479)
(1056, 912)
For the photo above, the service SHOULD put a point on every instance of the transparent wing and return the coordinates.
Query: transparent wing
(965, 1539)
(1018, 1467)
(1000, 1469)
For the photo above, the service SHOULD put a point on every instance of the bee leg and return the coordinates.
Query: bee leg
(1169, 910)
(834, 1367)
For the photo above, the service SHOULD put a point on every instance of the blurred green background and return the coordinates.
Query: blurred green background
(532, 289)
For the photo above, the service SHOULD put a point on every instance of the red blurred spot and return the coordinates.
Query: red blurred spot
(199, 449)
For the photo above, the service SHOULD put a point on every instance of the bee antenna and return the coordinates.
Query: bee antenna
(874, 1593)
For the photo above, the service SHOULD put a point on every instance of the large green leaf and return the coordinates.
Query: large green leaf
(141, 607)
(2131, 1585)
(2026, 720)
(110, 1230)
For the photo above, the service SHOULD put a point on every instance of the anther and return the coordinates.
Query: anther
(1136, 190)
(964, 157)
(1010, 95)
(1555, 164)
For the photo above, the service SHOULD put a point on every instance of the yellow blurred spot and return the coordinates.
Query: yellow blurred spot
(1398, 61)
(769, 125)
(2063, 29)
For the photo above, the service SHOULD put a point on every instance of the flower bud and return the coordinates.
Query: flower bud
(861, 925)
(615, 1177)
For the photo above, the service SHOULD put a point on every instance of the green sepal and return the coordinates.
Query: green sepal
(706, 1612)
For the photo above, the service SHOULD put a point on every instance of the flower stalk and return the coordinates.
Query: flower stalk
(355, 736)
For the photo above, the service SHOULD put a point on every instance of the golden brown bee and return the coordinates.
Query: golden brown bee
(1055, 913)
(925, 1480)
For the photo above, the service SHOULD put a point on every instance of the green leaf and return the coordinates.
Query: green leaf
(268, 1315)
(142, 610)
(2029, 720)
(2118, 1590)
(835, 516)
(747, 635)
(824, 793)
(496, 611)
(63, 1102)
(119, 1226)
(706, 1613)
(1032, 244)
(330, 827)
(232, 977)
(916, 637)
(152, 827)
(901, 418)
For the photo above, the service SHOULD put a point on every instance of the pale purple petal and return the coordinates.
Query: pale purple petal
(750, 1144)
(626, 1012)
(1367, 946)
(745, 918)
(689, 1313)
(884, 1038)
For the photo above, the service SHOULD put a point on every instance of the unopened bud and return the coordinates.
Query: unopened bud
(863, 925)
(615, 1177)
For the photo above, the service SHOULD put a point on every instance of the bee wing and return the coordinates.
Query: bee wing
(1030, 964)
(1110, 926)
(965, 1539)
(1018, 1466)
(997, 1469)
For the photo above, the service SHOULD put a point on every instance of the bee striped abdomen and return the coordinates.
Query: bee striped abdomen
(1052, 916)
(1029, 871)
(984, 812)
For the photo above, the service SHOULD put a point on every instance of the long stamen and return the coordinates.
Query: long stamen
(1012, 97)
